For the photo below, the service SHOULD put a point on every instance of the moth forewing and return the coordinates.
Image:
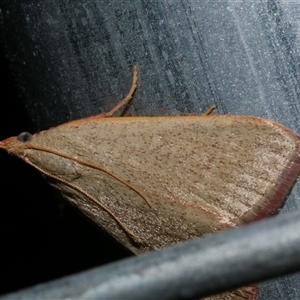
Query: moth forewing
(152, 182)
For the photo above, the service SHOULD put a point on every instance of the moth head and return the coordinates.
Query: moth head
(16, 145)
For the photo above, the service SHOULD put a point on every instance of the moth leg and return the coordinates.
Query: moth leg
(128, 97)
(210, 110)
(206, 113)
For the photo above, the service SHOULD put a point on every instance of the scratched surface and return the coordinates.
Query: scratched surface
(73, 59)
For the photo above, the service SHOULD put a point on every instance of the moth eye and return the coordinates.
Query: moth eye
(24, 137)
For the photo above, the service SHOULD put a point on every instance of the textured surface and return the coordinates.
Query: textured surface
(200, 174)
(71, 59)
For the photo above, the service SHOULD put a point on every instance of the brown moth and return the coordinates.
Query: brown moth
(150, 182)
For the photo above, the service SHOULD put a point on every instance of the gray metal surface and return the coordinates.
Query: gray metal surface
(194, 269)
(69, 57)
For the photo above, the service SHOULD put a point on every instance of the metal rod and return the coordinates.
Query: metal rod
(193, 269)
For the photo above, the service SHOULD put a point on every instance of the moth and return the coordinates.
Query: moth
(150, 182)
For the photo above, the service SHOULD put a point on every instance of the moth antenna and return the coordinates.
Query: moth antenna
(129, 95)
(84, 163)
(95, 200)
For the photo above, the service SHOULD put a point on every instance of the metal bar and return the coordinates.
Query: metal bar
(193, 269)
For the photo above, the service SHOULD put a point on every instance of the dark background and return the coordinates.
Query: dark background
(42, 237)
(63, 60)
